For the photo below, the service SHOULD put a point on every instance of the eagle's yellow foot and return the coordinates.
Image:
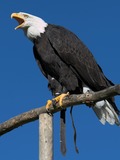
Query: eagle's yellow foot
(49, 102)
(59, 98)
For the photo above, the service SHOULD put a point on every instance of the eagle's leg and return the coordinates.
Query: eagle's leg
(60, 98)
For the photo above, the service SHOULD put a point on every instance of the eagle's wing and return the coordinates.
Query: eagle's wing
(76, 55)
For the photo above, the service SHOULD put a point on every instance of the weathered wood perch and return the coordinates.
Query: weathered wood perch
(71, 100)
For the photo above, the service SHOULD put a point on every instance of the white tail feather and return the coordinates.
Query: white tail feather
(106, 113)
(104, 110)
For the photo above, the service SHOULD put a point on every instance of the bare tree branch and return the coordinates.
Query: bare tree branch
(70, 100)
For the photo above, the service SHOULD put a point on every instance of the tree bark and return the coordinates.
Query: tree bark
(45, 137)
(67, 101)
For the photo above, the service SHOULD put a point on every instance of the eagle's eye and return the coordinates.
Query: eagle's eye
(25, 15)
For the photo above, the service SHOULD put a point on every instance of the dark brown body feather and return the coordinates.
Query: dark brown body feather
(61, 55)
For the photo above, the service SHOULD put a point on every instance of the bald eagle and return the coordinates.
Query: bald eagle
(67, 63)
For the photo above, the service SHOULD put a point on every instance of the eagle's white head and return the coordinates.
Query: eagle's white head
(32, 26)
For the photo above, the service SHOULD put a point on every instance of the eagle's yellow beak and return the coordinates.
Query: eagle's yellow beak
(19, 17)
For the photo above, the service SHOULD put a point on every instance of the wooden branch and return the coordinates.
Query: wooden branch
(67, 101)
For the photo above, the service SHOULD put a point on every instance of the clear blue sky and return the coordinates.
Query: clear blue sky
(22, 86)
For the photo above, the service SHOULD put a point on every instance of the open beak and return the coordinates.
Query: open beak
(19, 18)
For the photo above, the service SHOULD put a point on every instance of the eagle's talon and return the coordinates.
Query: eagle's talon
(50, 114)
(49, 102)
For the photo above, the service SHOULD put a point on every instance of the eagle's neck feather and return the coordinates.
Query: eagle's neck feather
(35, 30)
